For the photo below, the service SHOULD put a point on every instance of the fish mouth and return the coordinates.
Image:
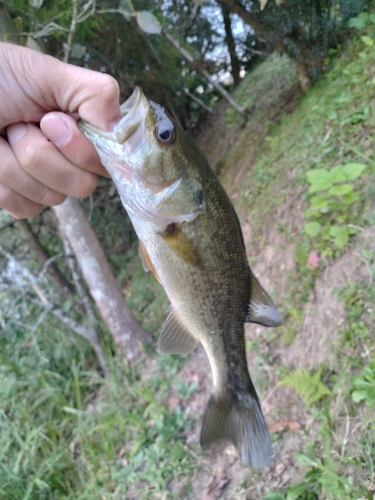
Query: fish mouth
(134, 111)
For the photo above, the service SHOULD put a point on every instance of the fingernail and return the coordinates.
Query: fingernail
(56, 130)
(15, 132)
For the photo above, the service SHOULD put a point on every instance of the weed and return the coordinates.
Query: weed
(331, 206)
(309, 387)
(364, 385)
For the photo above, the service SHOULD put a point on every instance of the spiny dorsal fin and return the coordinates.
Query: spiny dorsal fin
(181, 245)
(175, 337)
(146, 261)
(262, 310)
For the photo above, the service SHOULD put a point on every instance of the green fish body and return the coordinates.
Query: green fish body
(191, 239)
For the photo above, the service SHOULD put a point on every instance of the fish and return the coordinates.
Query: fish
(190, 238)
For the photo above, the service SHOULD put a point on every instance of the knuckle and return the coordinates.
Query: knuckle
(17, 205)
(90, 183)
(51, 197)
(85, 156)
(84, 186)
(58, 201)
(110, 88)
(32, 155)
(32, 210)
(6, 195)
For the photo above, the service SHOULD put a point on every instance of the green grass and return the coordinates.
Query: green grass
(68, 433)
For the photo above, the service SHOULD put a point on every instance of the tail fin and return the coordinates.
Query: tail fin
(242, 423)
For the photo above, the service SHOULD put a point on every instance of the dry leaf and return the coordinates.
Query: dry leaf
(281, 425)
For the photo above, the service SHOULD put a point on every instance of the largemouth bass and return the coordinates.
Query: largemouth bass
(191, 239)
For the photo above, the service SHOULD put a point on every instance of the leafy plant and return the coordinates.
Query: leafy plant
(332, 195)
(309, 387)
(364, 20)
(364, 385)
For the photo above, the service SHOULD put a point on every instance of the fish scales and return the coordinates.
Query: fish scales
(191, 239)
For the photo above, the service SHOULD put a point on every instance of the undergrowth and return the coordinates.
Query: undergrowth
(323, 154)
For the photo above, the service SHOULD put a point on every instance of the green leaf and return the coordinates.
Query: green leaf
(318, 202)
(305, 460)
(340, 235)
(359, 22)
(364, 385)
(367, 40)
(358, 396)
(274, 495)
(337, 174)
(36, 4)
(78, 51)
(33, 44)
(335, 205)
(341, 189)
(353, 170)
(312, 228)
(309, 387)
(298, 491)
(351, 198)
(148, 22)
(319, 179)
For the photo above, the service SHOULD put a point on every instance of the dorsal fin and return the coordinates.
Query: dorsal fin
(175, 337)
(262, 310)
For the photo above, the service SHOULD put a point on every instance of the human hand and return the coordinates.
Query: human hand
(45, 157)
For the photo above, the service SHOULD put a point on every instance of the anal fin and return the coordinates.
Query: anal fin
(262, 310)
(175, 337)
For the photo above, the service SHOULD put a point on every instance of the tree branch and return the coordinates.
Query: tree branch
(44, 259)
(90, 334)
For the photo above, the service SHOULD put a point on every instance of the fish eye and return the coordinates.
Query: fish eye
(165, 135)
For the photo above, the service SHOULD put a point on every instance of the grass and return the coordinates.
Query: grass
(67, 433)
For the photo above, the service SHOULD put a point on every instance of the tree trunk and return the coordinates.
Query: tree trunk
(231, 44)
(272, 37)
(303, 75)
(121, 322)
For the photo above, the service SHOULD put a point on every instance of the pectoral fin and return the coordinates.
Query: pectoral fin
(262, 310)
(181, 245)
(175, 338)
(146, 261)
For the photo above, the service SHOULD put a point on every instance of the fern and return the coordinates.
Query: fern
(364, 385)
(308, 386)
